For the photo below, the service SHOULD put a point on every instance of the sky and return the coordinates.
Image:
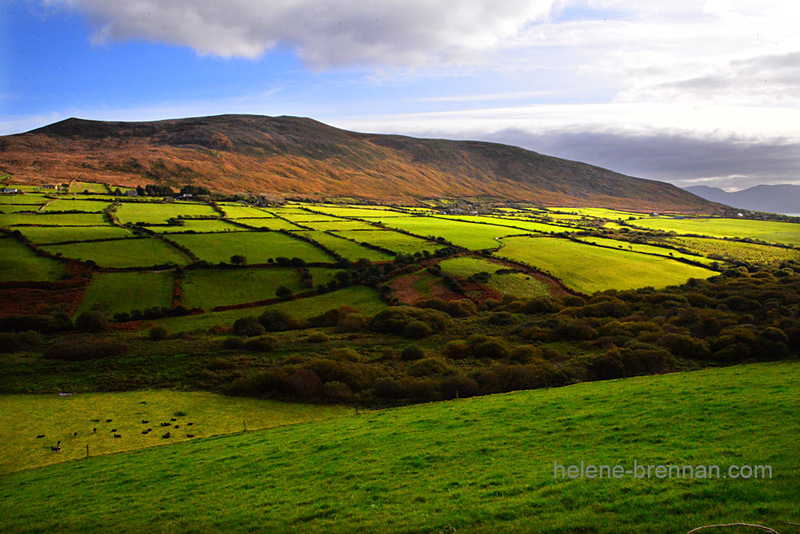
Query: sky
(691, 92)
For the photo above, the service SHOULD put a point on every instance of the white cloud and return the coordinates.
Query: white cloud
(324, 33)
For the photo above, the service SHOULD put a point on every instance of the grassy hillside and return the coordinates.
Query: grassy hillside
(477, 465)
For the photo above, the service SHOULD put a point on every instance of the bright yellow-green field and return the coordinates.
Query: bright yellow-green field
(647, 249)
(750, 252)
(23, 417)
(775, 232)
(589, 269)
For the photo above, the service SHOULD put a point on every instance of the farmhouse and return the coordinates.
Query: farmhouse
(11, 191)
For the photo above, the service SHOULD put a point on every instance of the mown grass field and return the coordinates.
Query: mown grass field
(24, 417)
(22, 200)
(589, 269)
(599, 213)
(124, 292)
(395, 241)
(87, 187)
(646, 249)
(346, 248)
(238, 211)
(209, 288)
(55, 234)
(18, 263)
(158, 213)
(53, 219)
(463, 234)
(515, 222)
(516, 284)
(750, 252)
(339, 225)
(270, 223)
(123, 253)
(69, 204)
(257, 247)
(770, 231)
(358, 212)
(196, 226)
(362, 299)
(482, 465)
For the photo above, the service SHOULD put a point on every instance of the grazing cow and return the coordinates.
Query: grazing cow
(177, 426)
(57, 448)
(167, 435)
(117, 436)
(189, 435)
(173, 419)
(166, 424)
(113, 429)
(75, 434)
(189, 424)
(40, 436)
(145, 431)
(144, 422)
(108, 420)
(94, 429)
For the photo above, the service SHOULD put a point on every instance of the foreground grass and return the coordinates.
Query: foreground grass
(23, 417)
(477, 465)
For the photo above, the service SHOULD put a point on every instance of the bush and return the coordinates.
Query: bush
(412, 352)
(457, 349)
(75, 350)
(393, 319)
(429, 367)
(261, 344)
(344, 354)
(576, 329)
(338, 391)
(157, 333)
(414, 329)
(354, 322)
(493, 348)
(248, 327)
(9, 342)
(284, 293)
(540, 305)
(501, 319)
(277, 321)
(232, 343)
(91, 321)
(317, 337)
(458, 386)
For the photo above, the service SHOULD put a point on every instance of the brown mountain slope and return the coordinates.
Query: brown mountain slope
(289, 156)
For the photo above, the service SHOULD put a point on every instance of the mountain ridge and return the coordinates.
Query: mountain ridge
(300, 157)
(778, 198)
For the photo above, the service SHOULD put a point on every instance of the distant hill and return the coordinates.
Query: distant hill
(299, 157)
(770, 198)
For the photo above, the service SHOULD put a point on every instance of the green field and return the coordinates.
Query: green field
(345, 248)
(198, 226)
(358, 212)
(516, 284)
(599, 213)
(588, 268)
(17, 208)
(770, 231)
(238, 211)
(54, 219)
(257, 247)
(123, 253)
(209, 288)
(271, 223)
(646, 249)
(18, 200)
(519, 223)
(55, 234)
(735, 250)
(17, 263)
(360, 298)
(124, 292)
(484, 465)
(69, 204)
(159, 213)
(22, 418)
(339, 225)
(463, 234)
(397, 242)
(88, 187)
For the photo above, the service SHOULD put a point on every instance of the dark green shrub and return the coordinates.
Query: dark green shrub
(261, 344)
(84, 349)
(157, 333)
(458, 386)
(305, 383)
(457, 349)
(501, 319)
(30, 339)
(277, 321)
(524, 353)
(344, 354)
(429, 367)
(492, 348)
(337, 391)
(576, 329)
(248, 327)
(412, 352)
(284, 293)
(684, 346)
(331, 317)
(354, 322)
(541, 305)
(414, 329)
(91, 321)
(9, 342)
(232, 343)
(317, 337)
(392, 320)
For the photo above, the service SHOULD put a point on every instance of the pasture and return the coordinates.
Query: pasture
(196, 226)
(482, 465)
(770, 231)
(88, 187)
(345, 248)
(18, 263)
(239, 211)
(359, 212)
(527, 224)
(18, 208)
(53, 219)
(360, 298)
(588, 268)
(208, 288)
(160, 213)
(123, 253)
(394, 241)
(257, 247)
(59, 417)
(645, 249)
(124, 292)
(339, 225)
(270, 223)
(44, 235)
(70, 204)
(735, 250)
(516, 284)
(463, 234)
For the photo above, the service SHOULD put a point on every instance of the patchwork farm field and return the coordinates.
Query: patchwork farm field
(589, 269)
(519, 285)
(157, 213)
(239, 211)
(770, 231)
(394, 241)
(59, 417)
(346, 248)
(122, 253)
(463, 234)
(645, 249)
(57, 234)
(208, 288)
(113, 293)
(68, 204)
(257, 247)
(18, 263)
(735, 250)
(270, 223)
(474, 465)
(196, 226)
(339, 225)
(53, 219)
